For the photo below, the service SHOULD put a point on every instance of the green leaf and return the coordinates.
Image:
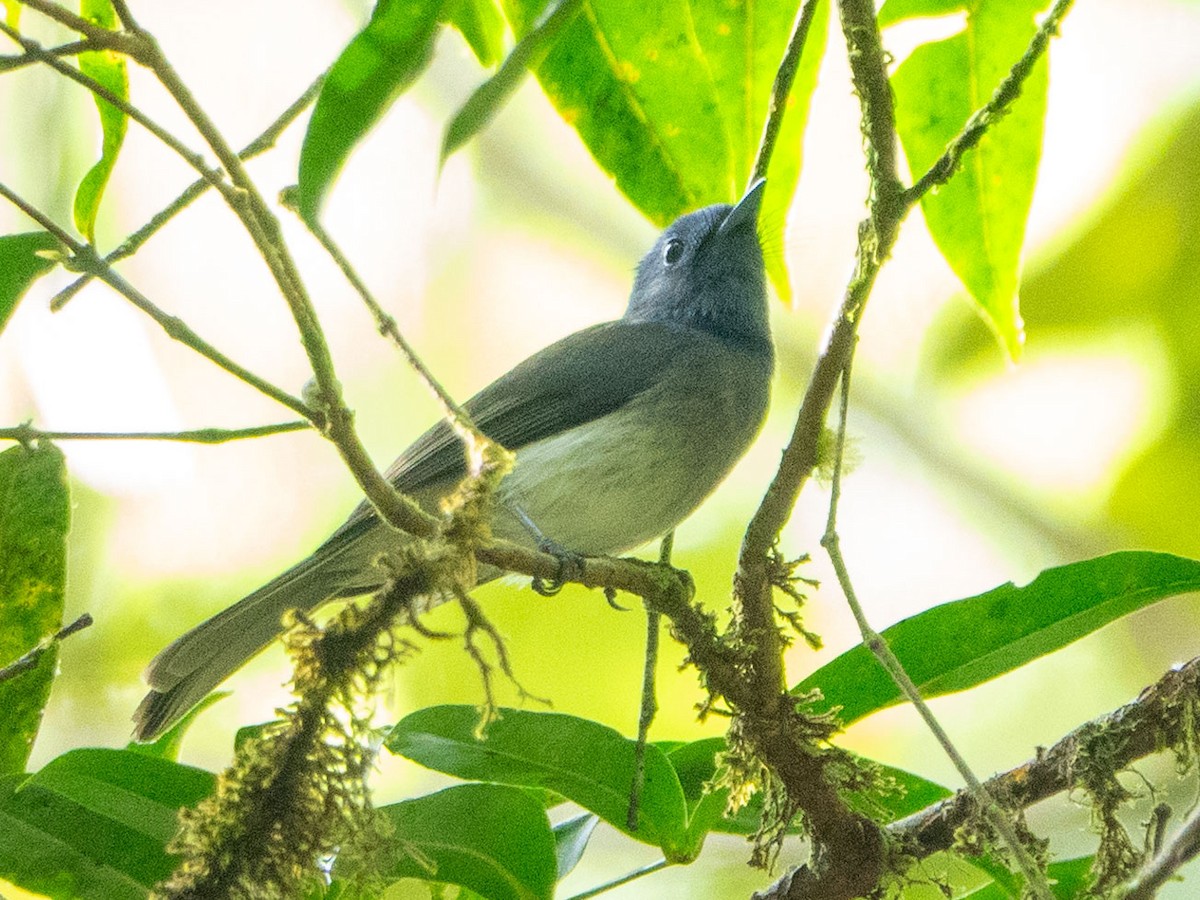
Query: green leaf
(671, 98)
(696, 764)
(489, 838)
(978, 218)
(167, 746)
(35, 511)
(570, 840)
(378, 64)
(583, 761)
(93, 823)
(108, 68)
(489, 97)
(482, 24)
(960, 644)
(20, 265)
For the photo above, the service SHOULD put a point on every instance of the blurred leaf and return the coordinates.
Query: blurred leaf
(12, 13)
(960, 644)
(489, 838)
(582, 760)
(696, 765)
(671, 98)
(93, 823)
(571, 839)
(1069, 879)
(978, 218)
(482, 24)
(20, 266)
(35, 511)
(489, 97)
(378, 64)
(167, 746)
(108, 68)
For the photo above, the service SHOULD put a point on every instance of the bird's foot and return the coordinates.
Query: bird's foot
(570, 567)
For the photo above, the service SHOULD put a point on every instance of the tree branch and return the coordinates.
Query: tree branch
(1160, 718)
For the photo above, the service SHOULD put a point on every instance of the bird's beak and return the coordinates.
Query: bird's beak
(747, 208)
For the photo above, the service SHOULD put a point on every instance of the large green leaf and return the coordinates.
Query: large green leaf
(977, 219)
(671, 98)
(582, 760)
(108, 68)
(93, 824)
(35, 514)
(490, 838)
(960, 644)
(20, 265)
(375, 67)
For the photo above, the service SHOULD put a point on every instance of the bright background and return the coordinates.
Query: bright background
(970, 472)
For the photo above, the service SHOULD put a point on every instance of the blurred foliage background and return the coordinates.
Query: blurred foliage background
(970, 471)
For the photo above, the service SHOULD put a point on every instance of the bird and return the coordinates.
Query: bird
(619, 431)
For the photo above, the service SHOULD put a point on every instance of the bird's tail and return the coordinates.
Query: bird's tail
(187, 670)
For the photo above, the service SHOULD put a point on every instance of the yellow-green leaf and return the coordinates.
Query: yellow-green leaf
(34, 517)
(978, 218)
(108, 68)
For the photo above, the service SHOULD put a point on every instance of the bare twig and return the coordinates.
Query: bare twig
(134, 242)
(1035, 878)
(458, 417)
(85, 259)
(29, 660)
(20, 60)
(26, 434)
(784, 76)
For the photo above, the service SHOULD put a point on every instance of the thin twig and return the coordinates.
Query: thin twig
(649, 705)
(134, 242)
(26, 434)
(20, 60)
(781, 88)
(991, 112)
(30, 660)
(84, 257)
(1035, 878)
(458, 417)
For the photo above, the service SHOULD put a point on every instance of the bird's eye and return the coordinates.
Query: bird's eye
(673, 252)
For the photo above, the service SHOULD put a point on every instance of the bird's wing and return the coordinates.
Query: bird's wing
(578, 379)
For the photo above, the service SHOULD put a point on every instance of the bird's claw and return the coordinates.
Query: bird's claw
(570, 568)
